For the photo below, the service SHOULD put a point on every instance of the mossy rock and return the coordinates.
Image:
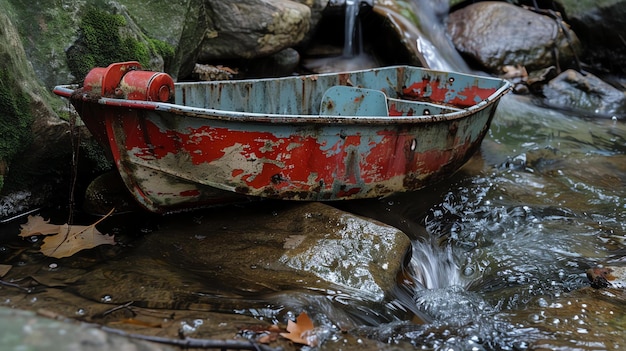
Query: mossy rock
(15, 116)
(109, 37)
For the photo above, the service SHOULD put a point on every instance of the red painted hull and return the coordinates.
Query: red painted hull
(266, 138)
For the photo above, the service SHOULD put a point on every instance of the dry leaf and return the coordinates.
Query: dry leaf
(71, 239)
(65, 240)
(300, 331)
(36, 225)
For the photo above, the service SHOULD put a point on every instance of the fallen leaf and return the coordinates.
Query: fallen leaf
(65, 240)
(300, 331)
(72, 239)
(36, 225)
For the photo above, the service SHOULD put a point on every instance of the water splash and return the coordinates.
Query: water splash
(432, 273)
(433, 267)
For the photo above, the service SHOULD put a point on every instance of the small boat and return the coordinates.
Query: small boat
(320, 137)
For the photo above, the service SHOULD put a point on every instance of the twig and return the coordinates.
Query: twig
(116, 308)
(18, 216)
(75, 143)
(17, 286)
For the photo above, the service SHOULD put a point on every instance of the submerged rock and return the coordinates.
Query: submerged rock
(257, 252)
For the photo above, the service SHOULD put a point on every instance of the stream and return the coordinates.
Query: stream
(507, 244)
(498, 259)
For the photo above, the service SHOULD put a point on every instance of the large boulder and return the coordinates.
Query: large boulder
(498, 34)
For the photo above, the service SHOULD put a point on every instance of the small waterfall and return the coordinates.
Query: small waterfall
(353, 56)
(352, 30)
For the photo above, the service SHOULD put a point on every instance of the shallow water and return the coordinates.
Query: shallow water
(499, 256)
(544, 201)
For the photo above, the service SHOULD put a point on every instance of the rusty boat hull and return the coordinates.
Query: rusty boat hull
(339, 136)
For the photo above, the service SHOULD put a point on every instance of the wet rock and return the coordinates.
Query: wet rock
(309, 245)
(497, 34)
(22, 330)
(35, 147)
(252, 28)
(587, 93)
(255, 251)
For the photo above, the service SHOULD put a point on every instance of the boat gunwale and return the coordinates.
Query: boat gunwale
(72, 91)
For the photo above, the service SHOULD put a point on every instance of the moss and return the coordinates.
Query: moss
(106, 38)
(15, 118)
(95, 154)
(164, 49)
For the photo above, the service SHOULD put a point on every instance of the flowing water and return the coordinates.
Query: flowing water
(352, 40)
(498, 258)
(501, 260)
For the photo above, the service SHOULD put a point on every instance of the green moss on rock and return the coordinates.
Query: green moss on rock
(15, 121)
(15, 117)
(164, 49)
(106, 38)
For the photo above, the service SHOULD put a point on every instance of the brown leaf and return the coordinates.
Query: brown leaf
(72, 239)
(300, 331)
(36, 225)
